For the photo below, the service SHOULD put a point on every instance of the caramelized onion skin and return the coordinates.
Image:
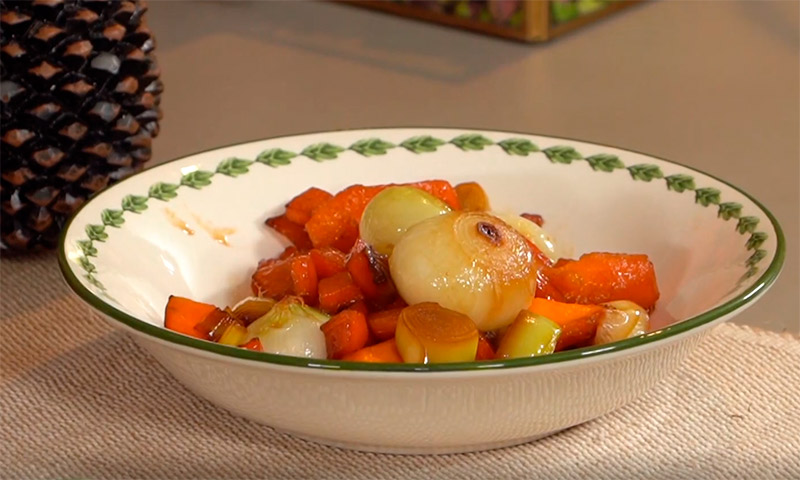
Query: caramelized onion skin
(470, 262)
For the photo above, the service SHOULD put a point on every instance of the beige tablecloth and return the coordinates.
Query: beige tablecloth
(80, 400)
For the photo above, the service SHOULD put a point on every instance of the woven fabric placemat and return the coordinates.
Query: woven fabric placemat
(81, 400)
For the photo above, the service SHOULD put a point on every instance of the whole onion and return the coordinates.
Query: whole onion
(470, 262)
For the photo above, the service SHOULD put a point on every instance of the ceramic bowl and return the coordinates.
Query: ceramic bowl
(195, 227)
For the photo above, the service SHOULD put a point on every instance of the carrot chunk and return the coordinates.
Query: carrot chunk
(300, 208)
(183, 315)
(384, 352)
(294, 232)
(304, 278)
(604, 277)
(383, 324)
(338, 291)
(345, 333)
(578, 322)
(328, 261)
(371, 273)
(254, 344)
(273, 278)
(485, 350)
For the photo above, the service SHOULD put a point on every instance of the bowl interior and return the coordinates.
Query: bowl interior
(195, 226)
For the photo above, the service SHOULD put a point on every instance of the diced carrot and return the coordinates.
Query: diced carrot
(533, 217)
(182, 315)
(578, 322)
(472, 197)
(304, 278)
(294, 232)
(485, 350)
(545, 290)
(328, 261)
(348, 238)
(345, 333)
(371, 274)
(604, 277)
(442, 190)
(288, 252)
(300, 208)
(338, 291)
(254, 344)
(383, 324)
(273, 278)
(384, 352)
(333, 218)
(359, 306)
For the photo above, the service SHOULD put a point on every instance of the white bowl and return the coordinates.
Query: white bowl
(715, 250)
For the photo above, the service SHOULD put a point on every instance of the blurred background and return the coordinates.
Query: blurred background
(713, 85)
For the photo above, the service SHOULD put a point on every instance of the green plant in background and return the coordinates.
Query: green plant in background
(565, 10)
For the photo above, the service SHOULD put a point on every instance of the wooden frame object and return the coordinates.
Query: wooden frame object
(536, 27)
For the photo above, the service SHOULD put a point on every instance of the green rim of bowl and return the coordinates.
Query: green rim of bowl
(766, 279)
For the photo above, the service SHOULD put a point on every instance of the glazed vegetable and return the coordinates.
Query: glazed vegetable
(345, 333)
(533, 232)
(472, 197)
(338, 291)
(183, 315)
(333, 220)
(250, 309)
(423, 273)
(290, 328)
(529, 335)
(470, 262)
(300, 208)
(622, 319)
(395, 210)
(598, 278)
(384, 352)
(429, 333)
(383, 323)
(578, 322)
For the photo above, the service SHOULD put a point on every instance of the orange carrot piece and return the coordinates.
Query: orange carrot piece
(348, 238)
(578, 322)
(182, 315)
(273, 278)
(359, 306)
(304, 278)
(338, 291)
(328, 261)
(604, 277)
(384, 352)
(300, 208)
(254, 344)
(485, 350)
(335, 217)
(383, 324)
(294, 232)
(371, 273)
(545, 290)
(345, 333)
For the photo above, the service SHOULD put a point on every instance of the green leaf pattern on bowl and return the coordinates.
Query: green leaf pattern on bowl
(562, 154)
(371, 146)
(275, 157)
(421, 144)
